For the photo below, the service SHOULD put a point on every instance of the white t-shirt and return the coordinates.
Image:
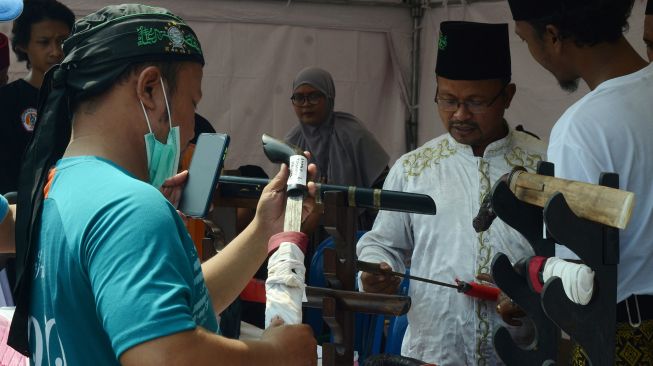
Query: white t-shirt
(611, 130)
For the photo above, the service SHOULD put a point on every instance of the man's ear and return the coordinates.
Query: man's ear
(511, 89)
(21, 48)
(148, 88)
(552, 38)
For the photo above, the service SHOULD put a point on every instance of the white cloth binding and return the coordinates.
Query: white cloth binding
(285, 286)
(577, 279)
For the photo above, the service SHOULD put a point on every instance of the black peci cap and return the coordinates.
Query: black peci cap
(473, 51)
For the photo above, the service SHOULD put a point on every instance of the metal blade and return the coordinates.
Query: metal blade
(375, 268)
(293, 219)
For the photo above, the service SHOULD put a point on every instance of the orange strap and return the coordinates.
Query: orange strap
(48, 184)
(195, 227)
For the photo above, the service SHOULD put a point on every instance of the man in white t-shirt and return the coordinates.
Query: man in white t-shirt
(608, 130)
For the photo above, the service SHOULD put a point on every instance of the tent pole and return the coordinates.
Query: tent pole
(417, 13)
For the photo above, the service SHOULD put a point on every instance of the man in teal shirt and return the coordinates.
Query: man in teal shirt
(107, 273)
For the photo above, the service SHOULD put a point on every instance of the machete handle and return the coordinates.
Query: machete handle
(479, 291)
(374, 268)
(486, 214)
(278, 151)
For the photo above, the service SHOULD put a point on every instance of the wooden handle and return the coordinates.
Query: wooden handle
(605, 205)
(360, 302)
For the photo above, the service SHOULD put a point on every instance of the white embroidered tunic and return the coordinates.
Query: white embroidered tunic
(446, 327)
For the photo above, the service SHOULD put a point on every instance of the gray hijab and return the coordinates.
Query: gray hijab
(344, 150)
(318, 137)
(319, 79)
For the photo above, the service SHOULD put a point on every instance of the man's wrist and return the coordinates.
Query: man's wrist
(259, 232)
(265, 351)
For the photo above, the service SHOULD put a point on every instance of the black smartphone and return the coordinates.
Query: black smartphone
(203, 174)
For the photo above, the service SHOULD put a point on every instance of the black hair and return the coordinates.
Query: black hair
(35, 11)
(588, 22)
(169, 72)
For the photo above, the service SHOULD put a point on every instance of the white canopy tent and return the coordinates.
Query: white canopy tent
(253, 49)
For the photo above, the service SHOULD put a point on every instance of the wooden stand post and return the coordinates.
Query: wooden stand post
(340, 302)
(339, 270)
(592, 326)
(527, 220)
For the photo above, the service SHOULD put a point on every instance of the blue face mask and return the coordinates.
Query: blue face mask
(162, 158)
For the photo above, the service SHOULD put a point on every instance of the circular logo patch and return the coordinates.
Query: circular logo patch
(176, 37)
(28, 118)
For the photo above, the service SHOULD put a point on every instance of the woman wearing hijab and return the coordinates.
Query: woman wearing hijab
(344, 150)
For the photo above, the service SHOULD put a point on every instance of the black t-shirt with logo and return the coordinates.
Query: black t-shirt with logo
(18, 101)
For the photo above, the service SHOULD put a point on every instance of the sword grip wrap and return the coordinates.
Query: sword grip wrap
(535, 266)
(295, 237)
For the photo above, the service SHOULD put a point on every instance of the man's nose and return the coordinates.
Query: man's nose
(462, 112)
(56, 51)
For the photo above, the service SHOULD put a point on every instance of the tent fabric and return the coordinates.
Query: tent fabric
(253, 49)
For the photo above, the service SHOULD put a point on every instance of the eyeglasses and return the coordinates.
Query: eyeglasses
(475, 107)
(312, 98)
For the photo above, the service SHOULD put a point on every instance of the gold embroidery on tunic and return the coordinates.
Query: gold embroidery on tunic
(484, 255)
(415, 163)
(518, 157)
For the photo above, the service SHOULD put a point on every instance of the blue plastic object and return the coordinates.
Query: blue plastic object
(369, 329)
(398, 324)
(10, 9)
(396, 332)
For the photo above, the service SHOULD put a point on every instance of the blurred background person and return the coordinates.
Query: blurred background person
(36, 38)
(344, 150)
(4, 59)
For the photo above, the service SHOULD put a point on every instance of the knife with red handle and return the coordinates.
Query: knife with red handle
(472, 289)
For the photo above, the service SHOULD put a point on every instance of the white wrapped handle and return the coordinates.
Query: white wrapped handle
(285, 287)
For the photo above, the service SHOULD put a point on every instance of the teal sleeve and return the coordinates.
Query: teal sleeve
(140, 270)
(4, 207)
